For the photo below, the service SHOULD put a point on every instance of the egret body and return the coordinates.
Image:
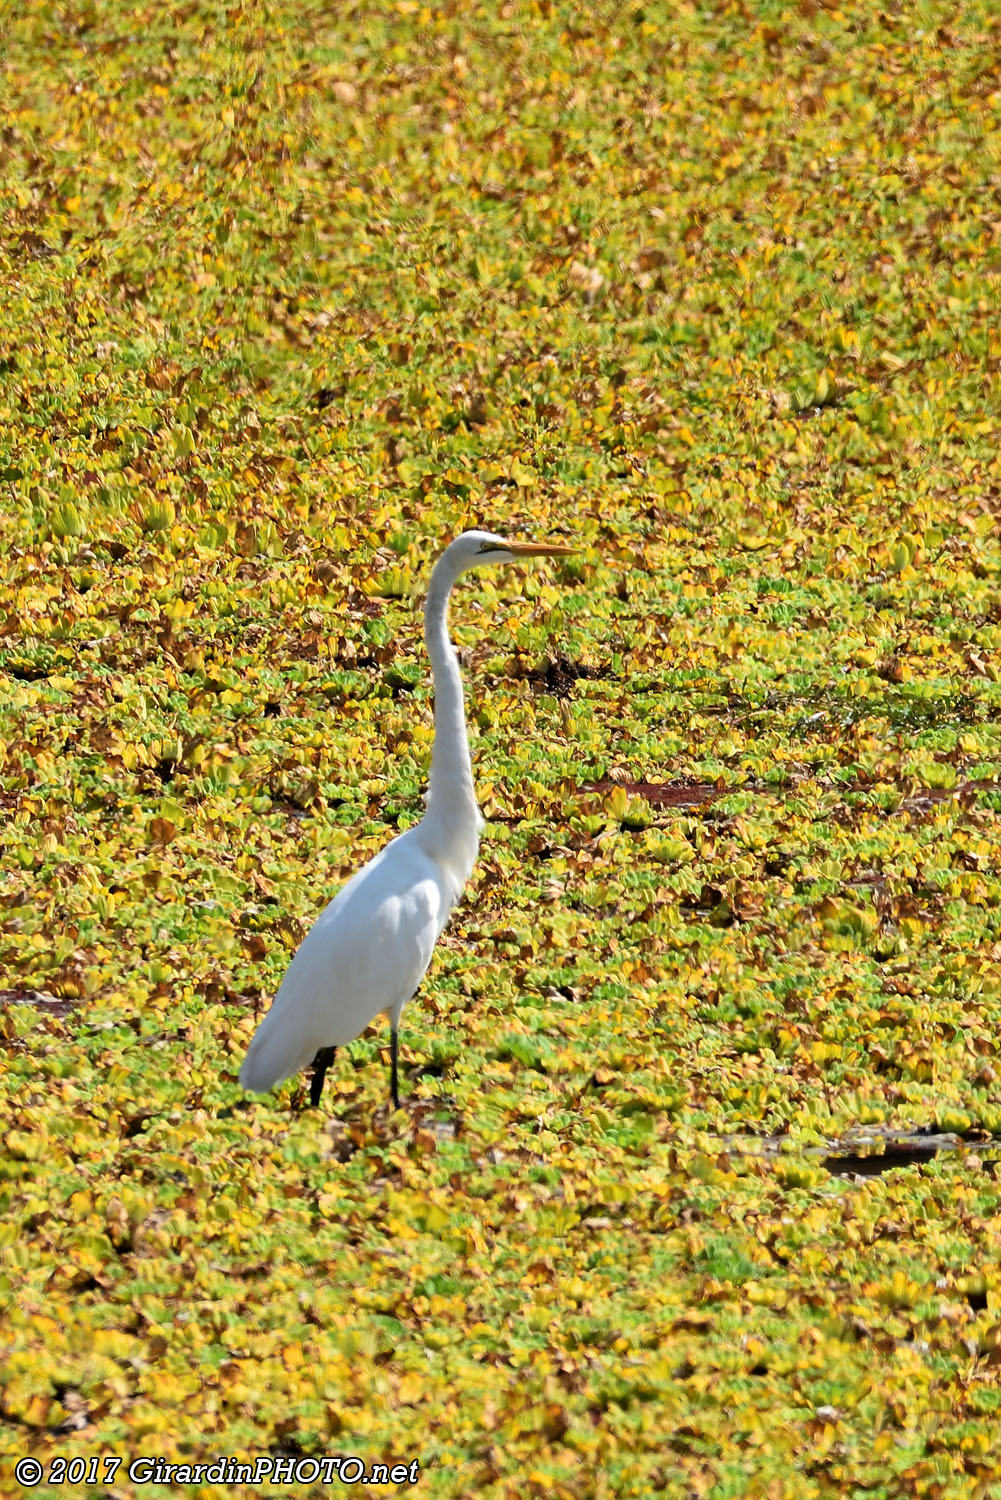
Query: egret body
(369, 949)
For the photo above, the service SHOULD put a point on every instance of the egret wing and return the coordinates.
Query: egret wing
(367, 952)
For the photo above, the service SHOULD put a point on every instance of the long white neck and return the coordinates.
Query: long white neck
(451, 803)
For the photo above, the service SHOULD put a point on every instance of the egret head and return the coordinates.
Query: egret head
(477, 549)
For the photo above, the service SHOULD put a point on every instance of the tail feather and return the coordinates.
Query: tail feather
(276, 1052)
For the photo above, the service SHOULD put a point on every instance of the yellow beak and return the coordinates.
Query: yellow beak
(540, 549)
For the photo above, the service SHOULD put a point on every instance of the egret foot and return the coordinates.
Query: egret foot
(321, 1062)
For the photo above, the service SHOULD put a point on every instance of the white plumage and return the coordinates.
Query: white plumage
(369, 949)
(397, 905)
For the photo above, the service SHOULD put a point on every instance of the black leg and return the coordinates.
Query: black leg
(321, 1062)
(394, 1048)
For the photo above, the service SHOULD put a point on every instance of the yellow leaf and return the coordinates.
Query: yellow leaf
(437, 1218)
(411, 1390)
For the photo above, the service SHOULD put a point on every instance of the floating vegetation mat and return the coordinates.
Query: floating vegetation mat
(289, 295)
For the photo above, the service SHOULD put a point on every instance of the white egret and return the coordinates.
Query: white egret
(368, 950)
